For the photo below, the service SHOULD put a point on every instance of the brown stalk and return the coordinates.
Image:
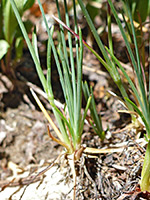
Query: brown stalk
(58, 141)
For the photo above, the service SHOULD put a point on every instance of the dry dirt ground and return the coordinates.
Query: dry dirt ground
(26, 149)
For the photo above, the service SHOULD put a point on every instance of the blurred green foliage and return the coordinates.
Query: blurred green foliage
(10, 31)
(139, 8)
(92, 9)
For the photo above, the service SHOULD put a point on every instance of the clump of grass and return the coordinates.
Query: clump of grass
(140, 88)
(70, 119)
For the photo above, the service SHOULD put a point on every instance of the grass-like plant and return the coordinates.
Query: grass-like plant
(140, 89)
(70, 118)
(140, 11)
(96, 119)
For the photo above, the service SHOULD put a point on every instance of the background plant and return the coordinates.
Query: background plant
(10, 31)
(140, 10)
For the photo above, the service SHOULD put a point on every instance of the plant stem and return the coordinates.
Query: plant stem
(145, 175)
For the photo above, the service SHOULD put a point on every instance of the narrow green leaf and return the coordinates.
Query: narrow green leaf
(128, 78)
(79, 85)
(62, 35)
(19, 47)
(97, 119)
(67, 85)
(139, 70)
(34, 43)
(27, 4)
(93, 30)
(49, 54)
(73, 75)
(83, 118)
(31, 49)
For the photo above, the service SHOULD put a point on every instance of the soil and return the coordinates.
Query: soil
(26, 149)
